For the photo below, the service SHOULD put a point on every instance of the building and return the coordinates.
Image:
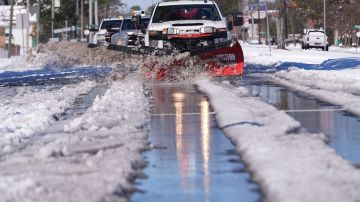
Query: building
(21, 22)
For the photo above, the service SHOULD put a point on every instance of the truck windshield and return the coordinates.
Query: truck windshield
(111, 24)
(186, 12)
(131, 25)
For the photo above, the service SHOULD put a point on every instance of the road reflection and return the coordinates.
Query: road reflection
(182, 152)
(205, 143)
(195, 166)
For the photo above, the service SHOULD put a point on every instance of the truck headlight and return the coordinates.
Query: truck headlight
(171, 31)
(207, 30)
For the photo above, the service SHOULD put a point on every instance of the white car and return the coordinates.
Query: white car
(186, 25)
(130, 33)
(100, 36)
(314, 38)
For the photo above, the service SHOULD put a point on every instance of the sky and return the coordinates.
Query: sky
(144, 4)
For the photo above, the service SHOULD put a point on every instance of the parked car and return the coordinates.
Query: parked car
(314, 38)
(131, 32)
(102, 33)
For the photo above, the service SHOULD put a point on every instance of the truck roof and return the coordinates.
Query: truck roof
(173, 3)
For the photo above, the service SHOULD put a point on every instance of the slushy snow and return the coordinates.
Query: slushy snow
(93, 157)
(289, 165)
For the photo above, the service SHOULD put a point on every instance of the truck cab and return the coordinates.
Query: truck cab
(186, 25)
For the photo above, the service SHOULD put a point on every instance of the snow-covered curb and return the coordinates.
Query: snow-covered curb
(329, 86)
(93, 159)
(288, 165)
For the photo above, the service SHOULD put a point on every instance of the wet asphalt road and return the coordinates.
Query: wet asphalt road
(192, 159)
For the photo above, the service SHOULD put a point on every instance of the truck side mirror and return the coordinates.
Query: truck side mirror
(230, 25)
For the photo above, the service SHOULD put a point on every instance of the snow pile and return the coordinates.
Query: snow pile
(15, 63)
(289, 165)
(32, 110)
(92, 158)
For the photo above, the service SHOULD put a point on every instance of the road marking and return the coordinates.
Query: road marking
(183, 114)
(314, 110)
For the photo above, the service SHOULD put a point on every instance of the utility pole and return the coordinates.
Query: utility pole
(259, 21)
(285, 20)
(267, 26)
(82, 20)
(10, 28)
(52, 17)
(252, 22)
(96, 13)
(78, 19)
(38, 24)
(90, 19)
(245, 13)
(325, 26)
(27, 28)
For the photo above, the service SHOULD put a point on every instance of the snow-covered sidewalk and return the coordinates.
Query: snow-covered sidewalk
(288, 164)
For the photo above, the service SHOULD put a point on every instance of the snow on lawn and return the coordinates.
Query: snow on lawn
(289, 165)
(262, 55)
(32, 110)
(90, 158)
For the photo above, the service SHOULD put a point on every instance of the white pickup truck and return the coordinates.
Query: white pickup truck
(314, 38)
(187, 25)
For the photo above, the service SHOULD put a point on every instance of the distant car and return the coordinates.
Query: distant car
(102, 33)
(131, 32)
(315, 38)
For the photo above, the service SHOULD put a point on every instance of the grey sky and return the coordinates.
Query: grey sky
(144, 4)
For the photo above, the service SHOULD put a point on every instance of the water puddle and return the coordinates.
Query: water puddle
(82, 103)
(192, 159)
(316, 116)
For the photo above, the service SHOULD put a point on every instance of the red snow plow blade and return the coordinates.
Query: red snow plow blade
(223, 59)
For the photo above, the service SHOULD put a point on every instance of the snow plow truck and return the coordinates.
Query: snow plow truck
(197, 27)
